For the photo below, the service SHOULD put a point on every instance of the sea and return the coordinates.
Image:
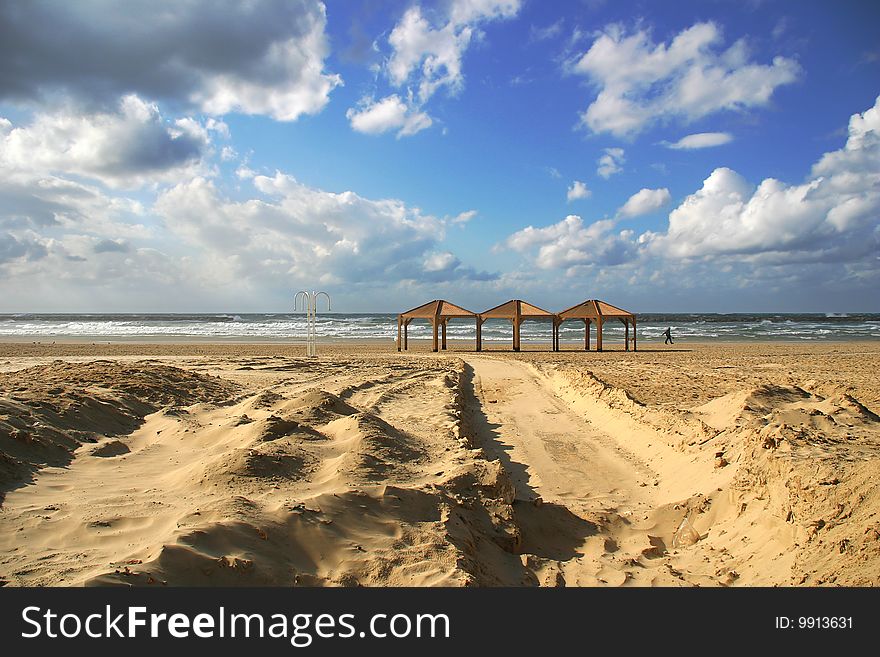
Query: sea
(806, 327)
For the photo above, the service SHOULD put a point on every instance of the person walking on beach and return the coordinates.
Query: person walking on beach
(668, 334)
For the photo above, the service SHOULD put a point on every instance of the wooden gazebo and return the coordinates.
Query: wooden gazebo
(517, 311)
(599, 312)
(438, 312)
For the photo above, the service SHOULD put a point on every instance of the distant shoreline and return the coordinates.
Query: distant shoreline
(415, 344)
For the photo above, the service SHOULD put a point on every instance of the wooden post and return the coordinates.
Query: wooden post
(555, 346)
(586, 334)
(516, 323)
(599, 323)
(406, 334)
(399, 345)
(635, 344)
(435, 323)
(479, 334)
(626, 331)
(443, 326)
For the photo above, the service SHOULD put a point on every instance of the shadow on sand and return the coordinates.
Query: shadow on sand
(548, 530)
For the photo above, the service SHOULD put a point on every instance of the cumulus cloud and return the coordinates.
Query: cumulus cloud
(578, 190)
(73, 273)
(425, 57)
(611, 162)
(65, 244)
(261, 57)
(644, 201)
(27, 247)
(442, 261)
(34, 201)
(750, 234)
(127, 147)
(832, 216)
(390, 113)
(700, 140)
(569, 243)
(297, 232)
(641, 82)
(85, 251)
(436, 52)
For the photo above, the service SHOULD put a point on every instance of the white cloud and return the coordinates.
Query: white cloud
(425, 58)
(436, 52)
(569, 243)
(547, 32)
(64, 242)
(644, 201)
(261, 57)
(640, 82)
(742, 235)
(46, 203)
(244, 172)
(442, 261)
(832, 216)
(701, 140)
(300, 233)
(578, 190)
(128, 147)
(464, 217)
(415, 41)
(390, 113)
(611, 162)
(467, 11)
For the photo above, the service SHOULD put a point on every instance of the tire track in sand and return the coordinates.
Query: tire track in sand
(549, 450)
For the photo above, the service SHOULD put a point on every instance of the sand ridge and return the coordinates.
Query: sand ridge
(364, 467)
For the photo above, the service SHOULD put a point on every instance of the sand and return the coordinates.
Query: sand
(249, 464)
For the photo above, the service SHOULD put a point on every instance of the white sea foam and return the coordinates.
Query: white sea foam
(384, 326)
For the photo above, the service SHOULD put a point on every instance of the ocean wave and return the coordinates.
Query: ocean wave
(343, 326)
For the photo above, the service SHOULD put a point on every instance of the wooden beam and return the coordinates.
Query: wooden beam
(626, 331)
(479, 334)
(599, 323)
(406, 335)
(443, 326)
(587, 334)
(398, 333)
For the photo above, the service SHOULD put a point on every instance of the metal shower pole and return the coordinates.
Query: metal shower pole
(310, 305)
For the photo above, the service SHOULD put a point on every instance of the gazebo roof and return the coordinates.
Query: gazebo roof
(436, 308)
(513, 308)
(593, 308)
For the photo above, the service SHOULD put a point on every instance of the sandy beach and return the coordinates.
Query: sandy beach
(726, 464)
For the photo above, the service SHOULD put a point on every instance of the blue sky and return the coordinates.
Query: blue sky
(679, 157)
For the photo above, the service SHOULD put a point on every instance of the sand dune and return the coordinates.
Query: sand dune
(242, 467)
